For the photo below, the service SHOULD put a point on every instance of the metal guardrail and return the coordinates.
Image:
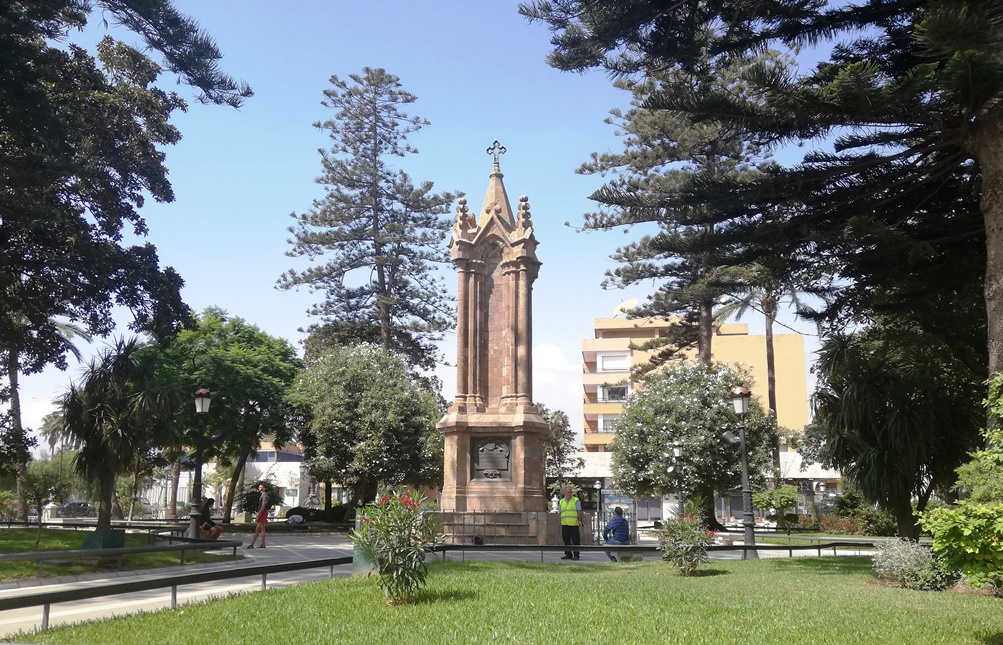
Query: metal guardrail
(642, 548)
(46, 599)
(187, 545)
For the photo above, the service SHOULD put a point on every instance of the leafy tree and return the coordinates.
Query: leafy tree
(560, 460)
(250, 375)
(370, 422)
(81, 137)
(690, 404)
(896, 414)
(42, 487)
(904, 209)
(781, 499)
(378, 236)
(122, 408)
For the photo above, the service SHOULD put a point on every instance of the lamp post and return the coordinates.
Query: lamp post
(202, 399)
(598, 487)
(677, 452)
(740, 400)
(821, 498)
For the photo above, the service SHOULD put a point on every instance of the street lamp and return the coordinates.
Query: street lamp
(821, 498)
(677, 452)
(740, 399)
(202, 399)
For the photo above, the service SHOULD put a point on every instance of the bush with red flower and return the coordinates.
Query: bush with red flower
(395, 533)
(683, 541)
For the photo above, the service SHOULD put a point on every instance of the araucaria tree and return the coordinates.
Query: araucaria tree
(690, 404)
(371, 422)
(900, 192)
(375, 234)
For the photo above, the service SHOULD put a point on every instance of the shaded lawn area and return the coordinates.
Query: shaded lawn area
(21, 540)
(801, 600)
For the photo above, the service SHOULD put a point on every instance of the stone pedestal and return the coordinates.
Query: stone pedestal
(499, 527)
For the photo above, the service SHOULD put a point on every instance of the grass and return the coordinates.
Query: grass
(801, 600)
(23, 540)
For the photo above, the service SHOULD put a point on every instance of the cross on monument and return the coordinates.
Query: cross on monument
(496, 150)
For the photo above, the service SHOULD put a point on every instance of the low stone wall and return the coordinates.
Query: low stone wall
(506, 527)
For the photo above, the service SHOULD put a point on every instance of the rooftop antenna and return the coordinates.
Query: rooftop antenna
(624, 307)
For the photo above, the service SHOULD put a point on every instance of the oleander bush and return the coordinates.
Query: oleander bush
(913, 566)
(683, 541)
(396, 534)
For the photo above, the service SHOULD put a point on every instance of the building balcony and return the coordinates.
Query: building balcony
(595, 408)
(592, 345)
(592, 380)
(598, 438)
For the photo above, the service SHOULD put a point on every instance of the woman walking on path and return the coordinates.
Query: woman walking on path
(262, 517)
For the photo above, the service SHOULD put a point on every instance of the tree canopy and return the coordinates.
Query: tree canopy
(690, 404)
(904, 210)
(370, 422)
(375, 234)
(560, 460)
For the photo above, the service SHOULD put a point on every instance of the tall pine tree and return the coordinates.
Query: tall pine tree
(376, 235)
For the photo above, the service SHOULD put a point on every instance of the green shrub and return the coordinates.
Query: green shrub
(913, 566)
(683, 541)
(838, 525)
(396, 534)
(807, 522)
(876, 522)
(335, 514)
(249, 498)
(969, 537)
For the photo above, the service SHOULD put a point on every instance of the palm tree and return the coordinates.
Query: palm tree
(122, 408)
(764, 291)
(896, 413)
(65, 334)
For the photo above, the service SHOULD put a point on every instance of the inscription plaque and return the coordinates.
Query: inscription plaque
(490, 459)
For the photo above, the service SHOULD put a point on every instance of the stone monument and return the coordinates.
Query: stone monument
(493, 432)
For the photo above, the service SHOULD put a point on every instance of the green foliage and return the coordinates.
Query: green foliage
(690, 404)
(969, 537)
(124, 404)
(396, 534)
(981, 479)
(249, 499)
(779, 500)
(683, 541)
(559, 450)
(895, 413)
(334, 514)
(838, 525)
(8, 503)
(912, 566)
(370, 421)
(373, 221)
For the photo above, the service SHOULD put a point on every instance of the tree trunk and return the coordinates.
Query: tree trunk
(906, 521)
(327, 494)
(172, 505)
(707, 510)
(231, 489)
(705, 334)
(769, 303)
(106, 488)
(986, 143)
(17, 437)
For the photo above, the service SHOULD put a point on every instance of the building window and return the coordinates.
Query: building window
(607, 425)
(614, 362)
(613, 394)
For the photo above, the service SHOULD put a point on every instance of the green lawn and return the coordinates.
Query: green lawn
(784, 601)
(23, 540)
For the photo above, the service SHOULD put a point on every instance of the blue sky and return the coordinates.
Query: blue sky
(479, 72)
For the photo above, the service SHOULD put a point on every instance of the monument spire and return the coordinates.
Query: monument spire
(496, 202)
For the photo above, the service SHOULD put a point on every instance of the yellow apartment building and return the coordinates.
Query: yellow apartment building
(608, 359)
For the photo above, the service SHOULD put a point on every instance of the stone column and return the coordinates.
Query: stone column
(462, 334)
(524, 338)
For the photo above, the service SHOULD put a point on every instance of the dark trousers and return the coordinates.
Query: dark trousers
(571, 536)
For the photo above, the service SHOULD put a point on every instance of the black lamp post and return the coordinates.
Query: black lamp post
(677, 452)
(202, 399)
(740, 399)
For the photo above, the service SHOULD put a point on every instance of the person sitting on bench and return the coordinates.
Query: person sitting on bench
(208, 529)
(617, 531)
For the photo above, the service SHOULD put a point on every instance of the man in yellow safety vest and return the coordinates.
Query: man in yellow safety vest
(571, 520)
